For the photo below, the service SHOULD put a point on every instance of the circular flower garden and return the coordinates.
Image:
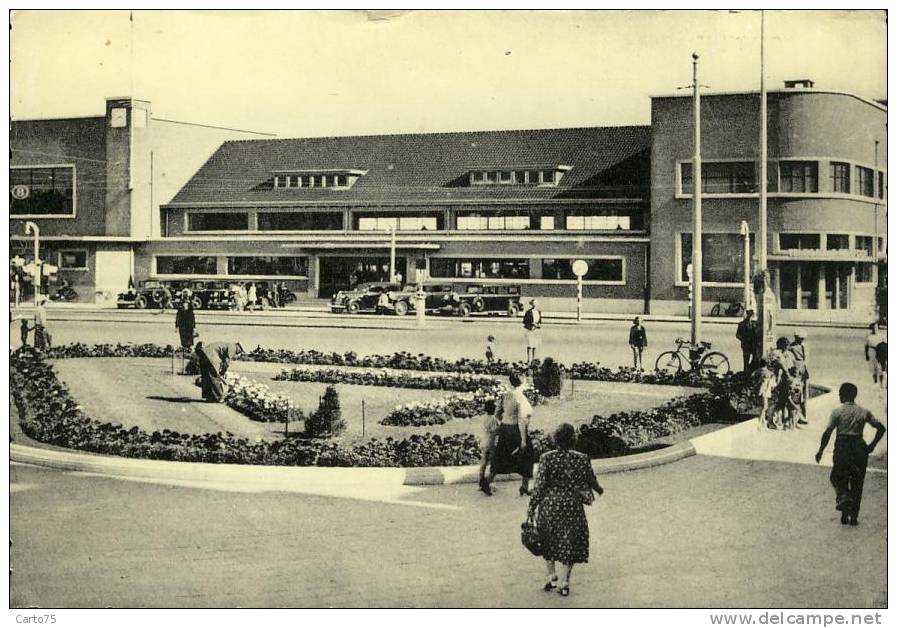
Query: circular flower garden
(48, 412)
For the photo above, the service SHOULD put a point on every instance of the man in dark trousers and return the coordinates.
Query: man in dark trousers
(747, 336)
(851, 451)
(638, 340)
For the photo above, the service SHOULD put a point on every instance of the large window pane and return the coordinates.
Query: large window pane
(722, 259)
(864, 243)
(218, 221)
(864, 181)
(799, 241)
(729, 177)
(799, 176)
(42, 191)
(837, 242)
(300, 221)
(76, 260)
(513, 220)
(269, 266)
(401, 223)
(840, 177)
(479, 268)
(599, 269)
(185, 265)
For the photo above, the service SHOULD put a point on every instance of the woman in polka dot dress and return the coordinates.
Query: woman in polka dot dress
(564, 482)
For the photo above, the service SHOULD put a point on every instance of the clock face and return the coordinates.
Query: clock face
(119, 117)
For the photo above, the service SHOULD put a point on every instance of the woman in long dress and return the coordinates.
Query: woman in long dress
(513, 450)
(185, 322)
(563, 485)
(214, 359)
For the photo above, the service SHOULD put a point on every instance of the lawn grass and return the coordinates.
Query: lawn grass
(143, 392)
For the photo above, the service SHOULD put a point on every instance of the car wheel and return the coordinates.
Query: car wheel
(196, 303)
(513, 310)
(401, 308)
(353, 307)
(157, 296)
(464, 309)
(479, 304)
(140, 302)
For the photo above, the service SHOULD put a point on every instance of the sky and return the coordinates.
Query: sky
(325, 73)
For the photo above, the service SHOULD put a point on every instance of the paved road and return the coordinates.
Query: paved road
(706, 531)
(834, 352)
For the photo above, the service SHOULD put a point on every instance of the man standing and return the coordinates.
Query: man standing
(851, 451)
(873, 340)
(638, 340)
(799, 352)
(747, 336)
(41, 335)
(532, 323)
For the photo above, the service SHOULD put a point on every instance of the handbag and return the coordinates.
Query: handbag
(586, 495)
(530, 536)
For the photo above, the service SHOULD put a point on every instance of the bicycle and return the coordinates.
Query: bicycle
(727, 309)
(696, 357)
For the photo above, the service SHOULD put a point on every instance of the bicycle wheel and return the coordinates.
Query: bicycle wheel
(715, 310)
(668, 362)
(715, 364)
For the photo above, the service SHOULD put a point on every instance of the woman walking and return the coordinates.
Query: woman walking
(513, 448)
(185, 323)
(564, 484)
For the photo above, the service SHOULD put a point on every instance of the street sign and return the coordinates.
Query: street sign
(580, 268)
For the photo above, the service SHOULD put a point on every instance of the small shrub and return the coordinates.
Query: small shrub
(549, 379)
(327, 420)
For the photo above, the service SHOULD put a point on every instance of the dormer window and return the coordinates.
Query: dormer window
(545, 176)
(336, 179)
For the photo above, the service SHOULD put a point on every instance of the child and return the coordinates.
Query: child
(490, 437)
(490, 340)
(767, 387)
(24, 329)
(795, 397)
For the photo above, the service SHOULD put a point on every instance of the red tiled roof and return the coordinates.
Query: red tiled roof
(428, 167)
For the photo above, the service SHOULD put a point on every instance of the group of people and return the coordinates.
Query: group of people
(38, 325)
(248, 296)
(784, 384)
(563, 485)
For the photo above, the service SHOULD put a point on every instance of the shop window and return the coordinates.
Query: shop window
(300, 221)
(73, 260)
(722, 259)
(185, 265)
(799, 176)
(479, 268)
(798, 241)
(837, 242)
(606, 269)
(864, 243)
(42, 191)
(864, 273)
(865, 181)
(718, 177)
(217, 221)
(267, 266)
(840, 177)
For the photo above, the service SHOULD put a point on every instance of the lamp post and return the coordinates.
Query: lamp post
(746, 234)
(696, 249)
(392, 252)
(31, 227)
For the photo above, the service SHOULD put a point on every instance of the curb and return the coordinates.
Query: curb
(289, 478)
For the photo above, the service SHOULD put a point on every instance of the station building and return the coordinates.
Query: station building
(154, 199)
(93, 186)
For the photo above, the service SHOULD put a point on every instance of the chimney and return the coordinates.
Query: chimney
(799, 84)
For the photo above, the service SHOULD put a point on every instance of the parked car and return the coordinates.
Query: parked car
(438, 299)
(147, 293)
(486, 299)
(363, 298)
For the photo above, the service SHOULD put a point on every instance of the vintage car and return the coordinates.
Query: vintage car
(489, 299)
(148, 293)
(365, 297)
(438, 299)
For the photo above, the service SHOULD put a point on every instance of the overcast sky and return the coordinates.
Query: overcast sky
(347, 73)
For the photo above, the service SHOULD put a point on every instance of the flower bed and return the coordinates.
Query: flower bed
(257, 402)
(460, 382)
(460, 406)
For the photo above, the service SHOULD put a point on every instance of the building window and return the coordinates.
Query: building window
(267, 266)
(300, 221)
(73, 260)
(44, 191)
(186, 265)
(455, 268)
(881, 185)
(799, 176)
(217, 221)
(721, 177)
(840, 177)
(599, 269)
(400, 223)
(864, 243)
(517, 177)
(491, 221)
(722, 257)
(864, 273)
(799, 242)
(837, 242)
(585, 222)
(546, 223)
(865, 181)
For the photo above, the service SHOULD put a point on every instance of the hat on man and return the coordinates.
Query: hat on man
(800, 333)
